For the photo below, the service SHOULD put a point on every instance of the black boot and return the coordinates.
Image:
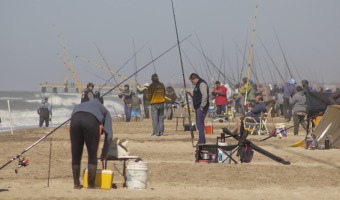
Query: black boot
(92, 170)
(76, 175)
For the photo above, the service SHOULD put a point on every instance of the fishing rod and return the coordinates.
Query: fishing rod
(184, 83)
(270, 71)
(250, 56)
(154, 67)
(186, 56)
(103, 79)
(178, 42)
(135, 60)
(79, 85)
(283, 54)
(107, 69)
(296, 70)
(201, 47)
(132, 56)
(30, 147)
(244, 55)
(228, 79)
(251, 69)
(222, 56)
(107, 65)
(260, 67)
(67, 121)
(271, 59)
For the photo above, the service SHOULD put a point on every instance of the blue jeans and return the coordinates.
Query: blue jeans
(157, 114)
(200, 116)
(127, 111)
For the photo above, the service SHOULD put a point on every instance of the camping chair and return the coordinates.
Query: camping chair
(227, 150)
(179, 113)
(257, 127)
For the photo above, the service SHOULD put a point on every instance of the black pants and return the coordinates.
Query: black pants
(146, 109)
(84, 128)
(287, 109)
(43, 119)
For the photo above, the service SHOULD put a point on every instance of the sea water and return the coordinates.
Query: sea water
(21, 108)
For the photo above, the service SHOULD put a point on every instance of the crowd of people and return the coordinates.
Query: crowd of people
(90, 119)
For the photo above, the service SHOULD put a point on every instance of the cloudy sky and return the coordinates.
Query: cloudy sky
(305, 32)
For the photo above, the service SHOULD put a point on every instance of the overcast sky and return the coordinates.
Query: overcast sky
(31, 53)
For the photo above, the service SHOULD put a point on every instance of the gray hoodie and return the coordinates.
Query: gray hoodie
(298, 102)
(102, 114)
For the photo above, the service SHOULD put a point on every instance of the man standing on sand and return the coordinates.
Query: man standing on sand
(45, 112)
(87, 121)
(156, 95)
(200, 98)
(126, 94)
(220, 94)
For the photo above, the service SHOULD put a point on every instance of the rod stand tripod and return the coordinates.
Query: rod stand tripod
(242, 139)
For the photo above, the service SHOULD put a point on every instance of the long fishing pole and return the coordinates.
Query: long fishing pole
(296, 70)
(206, 68)
(184, 83)
(148, 64)
(244, 55)
(107, 65)
(283, 54)
(207, 59)
(135, 60)
(30, 147)
(250, 56)
(79, 85)
(49, 164)
(65, 122)
(193, 67)
(154, 67)
(277, 69)
(270, 71)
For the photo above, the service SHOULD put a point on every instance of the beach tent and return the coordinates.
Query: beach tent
(329, 126)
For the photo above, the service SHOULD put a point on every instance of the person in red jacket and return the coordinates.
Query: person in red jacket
(220, 94)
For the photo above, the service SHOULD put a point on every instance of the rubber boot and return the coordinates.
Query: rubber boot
(76, 175)
(92, 170)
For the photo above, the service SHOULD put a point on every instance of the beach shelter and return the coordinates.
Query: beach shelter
(329, 126)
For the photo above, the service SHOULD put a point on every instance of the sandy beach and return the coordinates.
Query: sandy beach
(173, 173)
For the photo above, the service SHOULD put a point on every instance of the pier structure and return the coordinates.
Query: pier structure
(66, 87)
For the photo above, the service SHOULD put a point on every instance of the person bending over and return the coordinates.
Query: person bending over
(86, 121)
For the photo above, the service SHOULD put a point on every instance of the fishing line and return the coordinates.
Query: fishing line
(184, 83)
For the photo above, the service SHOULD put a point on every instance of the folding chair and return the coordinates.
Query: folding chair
(227, 150)
(257, 127)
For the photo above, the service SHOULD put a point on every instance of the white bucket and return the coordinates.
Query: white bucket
(137, 174)
(281, 129)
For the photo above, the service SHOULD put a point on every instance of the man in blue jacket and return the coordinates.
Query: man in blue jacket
(255, 110)
(87, 120)
(200, 99)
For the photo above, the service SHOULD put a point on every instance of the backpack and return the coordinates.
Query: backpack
(246, 153)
